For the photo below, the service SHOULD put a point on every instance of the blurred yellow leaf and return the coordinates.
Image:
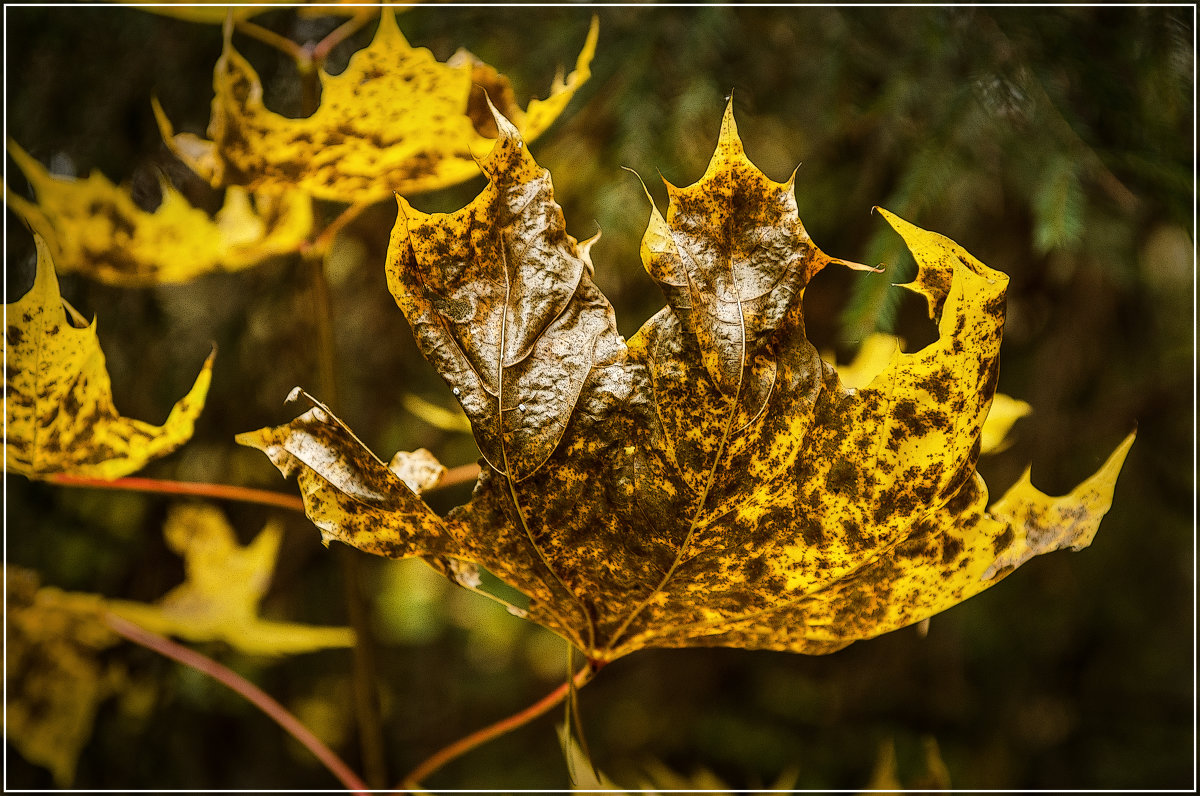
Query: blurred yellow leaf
(583, 775)
(436, 416)
(1005, 411)
(873, 355)
(95, 228)
(886, 776)
(53, 676)
(210, 12)
(225, 583)
(59, 416)
(214, 12)
(395, 120)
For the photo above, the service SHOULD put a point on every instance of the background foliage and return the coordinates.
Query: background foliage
(1056, 145)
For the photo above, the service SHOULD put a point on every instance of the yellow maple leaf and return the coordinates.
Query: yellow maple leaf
(95, 228)
(225, 583)
(59, 416)
(1005, 411)
(395, 120)
(876, 352)
(54, 678)
(712, 482)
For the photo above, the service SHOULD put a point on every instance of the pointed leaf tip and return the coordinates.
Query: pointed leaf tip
(1038, 523)
(56, 375)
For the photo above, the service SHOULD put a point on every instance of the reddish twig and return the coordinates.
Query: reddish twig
(463, 474)
(342, 32)
(479, 737)
(252, 693)
(270, 37)
(264, 497)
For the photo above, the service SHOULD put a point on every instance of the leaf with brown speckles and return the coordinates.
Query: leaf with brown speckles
(713, 482)
(95, 228)
(59, 416)
(876, 352)
(395, 120)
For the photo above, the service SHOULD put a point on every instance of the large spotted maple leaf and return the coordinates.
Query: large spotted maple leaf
(712, 481)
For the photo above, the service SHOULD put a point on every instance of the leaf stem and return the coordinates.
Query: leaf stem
(270, 37)
(321, 50)
(366, 677)
(252, 693)
(367, 711)
(243, 494)
(319, 246)
(482, 736)
(464, 473)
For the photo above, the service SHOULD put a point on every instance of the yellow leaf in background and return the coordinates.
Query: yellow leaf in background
(225, 583)
(886, 776)
(94, 227)
(395, 120)
(876, 352)
(59, 416)
(211, 12)
(53, 676)
(657, 777)
(214, 12)
(1005, 411)
(436, 416)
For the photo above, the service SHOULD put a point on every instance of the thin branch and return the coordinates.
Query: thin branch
(319, 246)
(322, 303)
(365, 680)
(464, 473)
(285, 45)
(342, 32)
(479, 737)
(264, 497)
(234, 681)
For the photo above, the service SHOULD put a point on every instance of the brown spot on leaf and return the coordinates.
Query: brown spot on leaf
(1003, 541)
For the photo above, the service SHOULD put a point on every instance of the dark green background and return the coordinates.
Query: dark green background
(1054, 144)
